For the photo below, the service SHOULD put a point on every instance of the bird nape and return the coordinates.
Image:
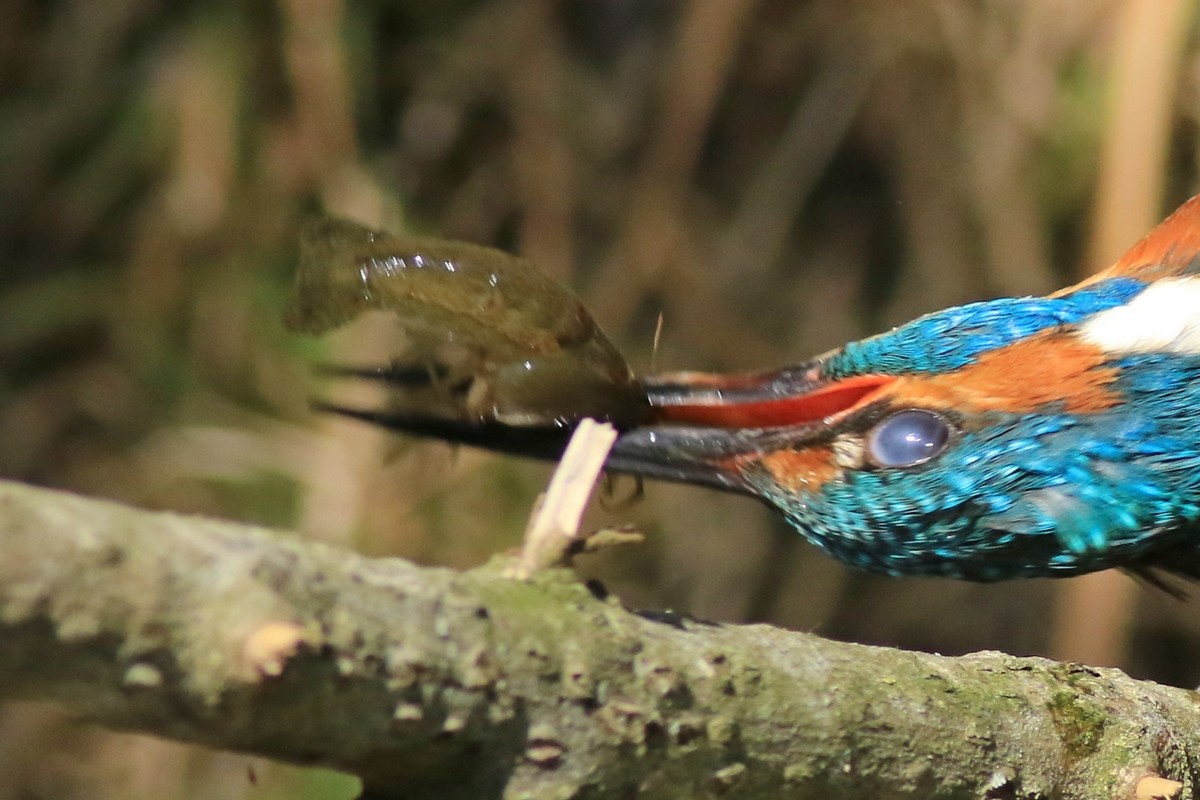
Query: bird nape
(1018, 437)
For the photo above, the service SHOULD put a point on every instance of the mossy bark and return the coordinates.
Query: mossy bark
(434, 683)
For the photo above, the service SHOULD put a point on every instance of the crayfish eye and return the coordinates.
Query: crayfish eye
(907, 438)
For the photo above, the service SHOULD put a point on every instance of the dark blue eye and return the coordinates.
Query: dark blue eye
(907, 438)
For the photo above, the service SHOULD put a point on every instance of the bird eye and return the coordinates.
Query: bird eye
(908, 438)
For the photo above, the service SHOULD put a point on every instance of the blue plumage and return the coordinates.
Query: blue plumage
(949, 340)
(1030, 495)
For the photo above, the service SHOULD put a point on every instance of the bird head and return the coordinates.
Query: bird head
(1014, 437)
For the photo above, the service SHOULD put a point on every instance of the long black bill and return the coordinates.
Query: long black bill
(530, 441)
(697, 428)
(693, 455)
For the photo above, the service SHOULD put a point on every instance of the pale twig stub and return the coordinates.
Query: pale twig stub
(1154, 787)
(554, 525)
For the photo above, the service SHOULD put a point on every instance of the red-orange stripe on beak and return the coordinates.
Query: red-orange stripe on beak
(830, 400)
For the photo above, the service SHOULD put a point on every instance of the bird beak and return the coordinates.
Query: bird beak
(709, 428)
(698, 455)
(697, 428)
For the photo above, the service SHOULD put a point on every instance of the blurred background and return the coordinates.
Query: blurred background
(773, 178)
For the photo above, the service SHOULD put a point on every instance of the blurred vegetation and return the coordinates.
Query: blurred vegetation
(773, 178)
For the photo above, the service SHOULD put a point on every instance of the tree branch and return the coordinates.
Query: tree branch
(432, 683)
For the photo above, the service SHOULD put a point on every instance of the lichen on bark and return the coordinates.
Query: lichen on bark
(435, 683)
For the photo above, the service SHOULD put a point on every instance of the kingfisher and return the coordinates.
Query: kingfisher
(1014, 437)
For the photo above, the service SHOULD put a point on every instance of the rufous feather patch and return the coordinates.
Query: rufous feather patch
(1052, 367)
(805, 470)
(1172, 248)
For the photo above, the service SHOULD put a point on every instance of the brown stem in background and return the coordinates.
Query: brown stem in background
(754, 239)
(319, 78)
(541, 152)
(654, 228)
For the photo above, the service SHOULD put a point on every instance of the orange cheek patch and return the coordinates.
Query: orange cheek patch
(804, 470)
(1047, 368)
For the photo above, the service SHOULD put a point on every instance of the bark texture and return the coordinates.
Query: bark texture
(439, 684)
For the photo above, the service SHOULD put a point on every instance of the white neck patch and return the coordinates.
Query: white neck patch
(1164, 318)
